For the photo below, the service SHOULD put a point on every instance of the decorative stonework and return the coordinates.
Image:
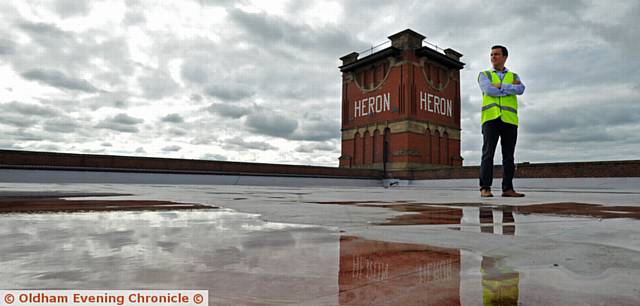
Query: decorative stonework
(351, 77)
(401, 127)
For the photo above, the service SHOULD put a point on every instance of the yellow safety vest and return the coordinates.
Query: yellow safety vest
(504, 107)
(500, 286)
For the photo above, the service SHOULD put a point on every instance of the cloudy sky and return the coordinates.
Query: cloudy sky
(258, 80)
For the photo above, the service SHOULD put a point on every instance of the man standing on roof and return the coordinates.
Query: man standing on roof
(499, 121)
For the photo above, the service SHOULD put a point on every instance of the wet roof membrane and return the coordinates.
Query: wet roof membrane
(568, 242)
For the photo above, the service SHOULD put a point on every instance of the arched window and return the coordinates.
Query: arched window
(444, 144)
(435, 147)
(357, 149)
(366, 148)
(386, 148)
(427, 150)
(377, 147)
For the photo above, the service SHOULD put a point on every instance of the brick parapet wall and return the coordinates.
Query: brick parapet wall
(629, 168)
(90, 162)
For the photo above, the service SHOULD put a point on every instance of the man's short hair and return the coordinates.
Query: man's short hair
(503, 48)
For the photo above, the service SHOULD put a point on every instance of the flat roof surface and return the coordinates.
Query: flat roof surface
(568, 242)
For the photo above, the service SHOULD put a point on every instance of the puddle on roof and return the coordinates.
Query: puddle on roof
(47, 204)
(500, 219)
(242, 260)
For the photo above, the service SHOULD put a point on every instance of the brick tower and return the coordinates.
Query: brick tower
(401, 107)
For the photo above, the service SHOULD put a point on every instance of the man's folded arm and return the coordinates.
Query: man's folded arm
(517, 88)
(487, 88)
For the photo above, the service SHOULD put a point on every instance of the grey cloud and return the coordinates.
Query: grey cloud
(17, 120)
(140, 150)
(58, 79)
(48, 147)
(106, 99)
(238, 144)
(623, 32)
(73, 53)
(592, 114)
(210, 156)
(194, 72)
(314, 127)
(269, 30)
(126, 119)
(8, 145)
(229, 110)
(7, 46)
(22, 115)
(173, 118)
(313, 147)
(158, 84)
(61, 125)
(229, 92)
(203, 140)
(94, 151)
(172, 148)
(321, 133)
(69, 8)
(47, 35)
(271, 124)
(121, 123)
(220, 2)
(24, 135)
(134, 18)
(28, 109)
(177, 132)
(106, 144)
(43, 29)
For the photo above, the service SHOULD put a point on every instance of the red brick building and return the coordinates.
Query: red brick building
(401, 107)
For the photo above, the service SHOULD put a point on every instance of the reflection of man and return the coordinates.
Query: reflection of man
(499, 120)
(499, 283)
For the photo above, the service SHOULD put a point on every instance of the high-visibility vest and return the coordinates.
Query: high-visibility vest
(499, 283)
(504, 107)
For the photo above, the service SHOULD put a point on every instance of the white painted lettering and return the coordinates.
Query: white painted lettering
(372, 105)
(363, 108)
(423, 100)
(387, 101)
(436, 104)
(372, 100)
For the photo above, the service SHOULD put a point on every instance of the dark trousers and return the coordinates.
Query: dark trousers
(507, 133)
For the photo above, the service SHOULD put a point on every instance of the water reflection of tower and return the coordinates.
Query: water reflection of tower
(386, 273)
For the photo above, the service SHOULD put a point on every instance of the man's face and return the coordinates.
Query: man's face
(497, 59)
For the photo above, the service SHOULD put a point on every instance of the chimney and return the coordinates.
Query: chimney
(407, 39)
(349, 58)
(453, 54)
